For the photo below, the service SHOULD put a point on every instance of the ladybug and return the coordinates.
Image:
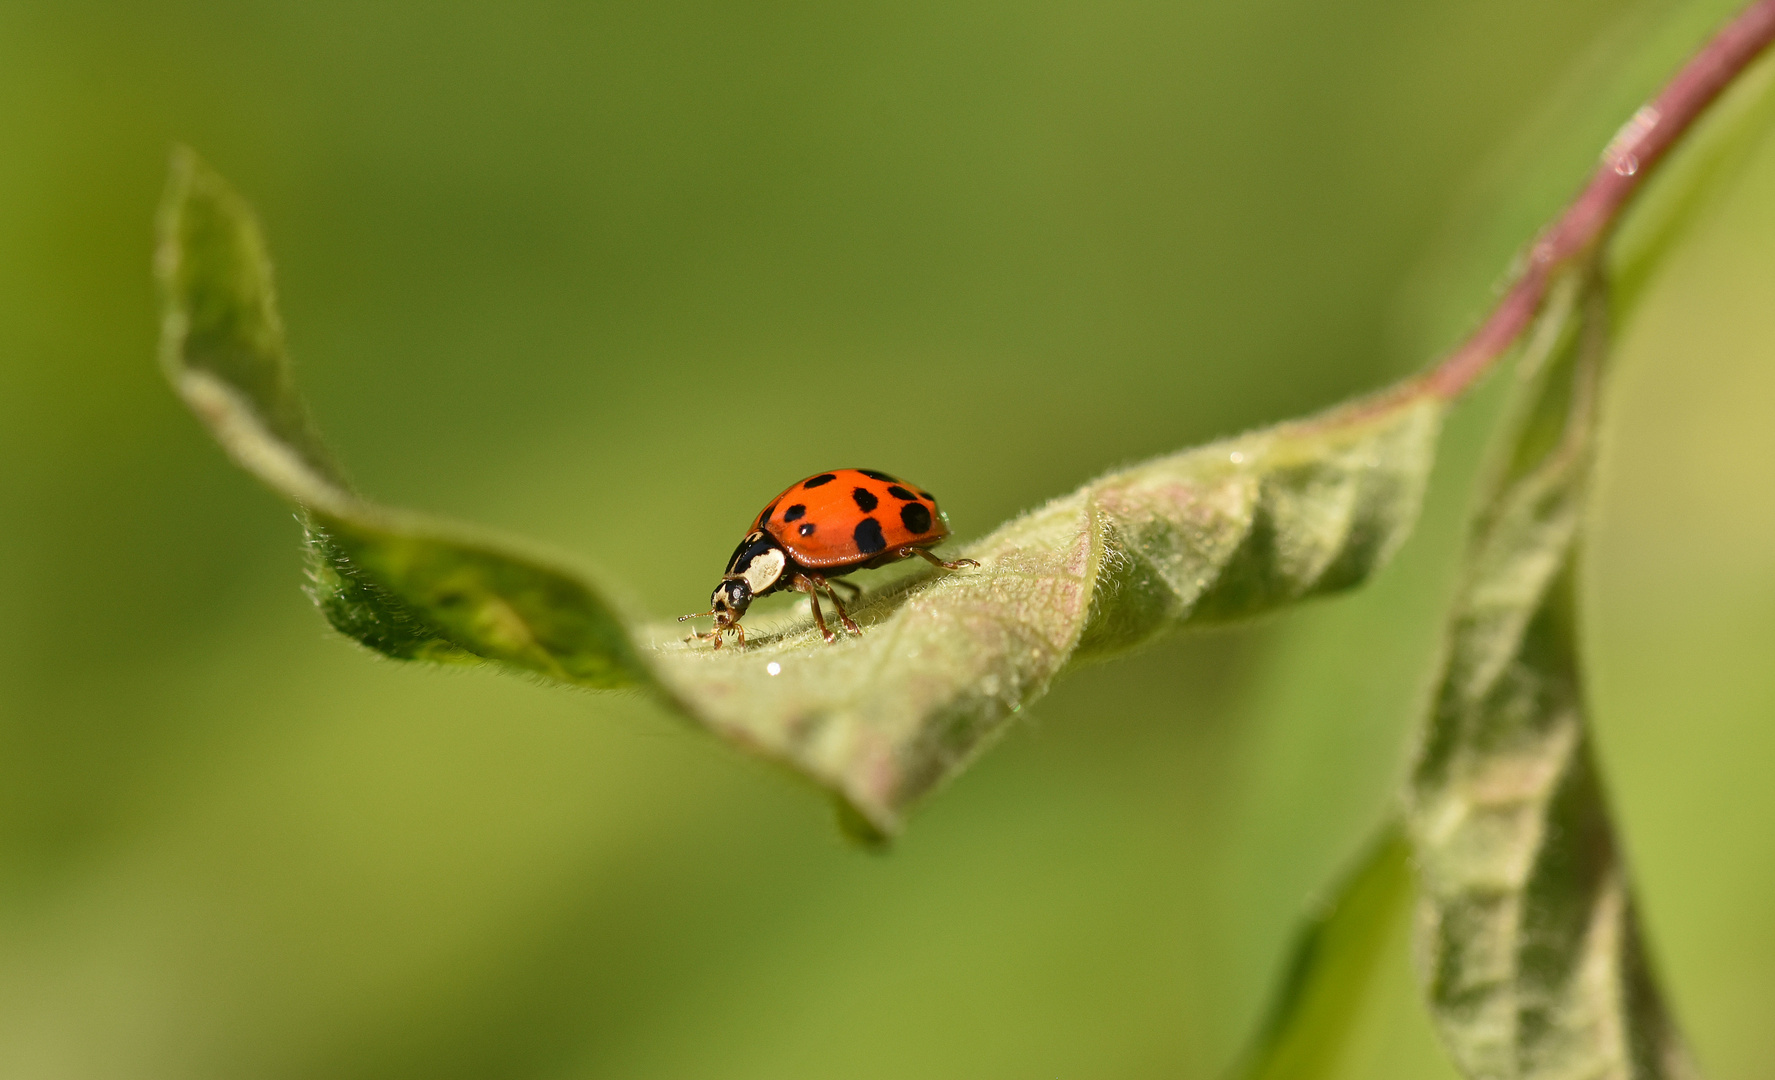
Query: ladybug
(822, 528)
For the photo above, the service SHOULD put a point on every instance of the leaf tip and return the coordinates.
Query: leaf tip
(860, 829)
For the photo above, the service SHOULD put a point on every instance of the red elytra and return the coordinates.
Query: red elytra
(821, 528)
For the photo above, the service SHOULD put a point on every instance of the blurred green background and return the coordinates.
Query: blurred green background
(528, 249)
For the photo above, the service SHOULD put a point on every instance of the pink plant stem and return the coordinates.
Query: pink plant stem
(1631, 156)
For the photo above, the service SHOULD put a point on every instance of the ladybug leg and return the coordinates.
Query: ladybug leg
(811, 587)
(718, 633)
(925, 554)
(700, 635)
(852, 588)
(845, 616)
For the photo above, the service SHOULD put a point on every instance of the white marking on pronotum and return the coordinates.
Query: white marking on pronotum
(764, 569)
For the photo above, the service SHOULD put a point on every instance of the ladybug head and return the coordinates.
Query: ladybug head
(730, 600)
(757, 568)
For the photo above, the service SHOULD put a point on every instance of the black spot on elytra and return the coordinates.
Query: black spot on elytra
(899, 492)
(808, 529)
(915, 517)
(795, 513)
(865, 499)
(868, 536)
(927, 496)
(823, 478)
(873, 475)
(764, 518)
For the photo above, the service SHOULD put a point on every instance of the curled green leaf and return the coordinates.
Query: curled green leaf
(1228, 530)
(1535, 966)
(404, 585)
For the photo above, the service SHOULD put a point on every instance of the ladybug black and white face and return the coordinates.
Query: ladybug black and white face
(730, 601)
(759, 561)
(756, 568)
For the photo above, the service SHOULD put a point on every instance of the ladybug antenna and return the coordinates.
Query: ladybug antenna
(698, 615)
